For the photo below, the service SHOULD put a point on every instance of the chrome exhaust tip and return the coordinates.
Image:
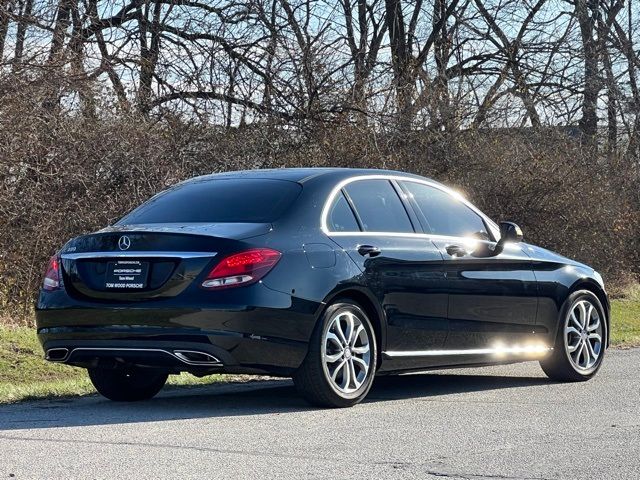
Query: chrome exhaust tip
(193, 357)
(57, 354)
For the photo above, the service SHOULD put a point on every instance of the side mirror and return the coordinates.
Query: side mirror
(510, 232)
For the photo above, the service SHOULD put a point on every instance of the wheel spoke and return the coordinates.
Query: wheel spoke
(333, 357)
(356, 335)
(346, 376)
(350, 328)
(352, 372)
(592, 354)
(572, 334)
(573, 348)
(574, 319)
(578, 352)
(361, 350)
(594, 326)
(587, 320)
(583, 315)
(362, 363)
(340, 333)
(569, 330)
(587, 355)
(337, 370)
(595, 336)
(332, 337)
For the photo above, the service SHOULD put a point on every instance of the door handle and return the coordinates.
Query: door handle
(456, 250)
(368, 250)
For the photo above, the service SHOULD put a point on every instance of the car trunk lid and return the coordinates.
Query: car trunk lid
(138, 262)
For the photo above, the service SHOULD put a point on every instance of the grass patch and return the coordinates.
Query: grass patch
(25, 375)
(625, 318)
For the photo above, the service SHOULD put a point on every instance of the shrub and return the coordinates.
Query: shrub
(62, 176)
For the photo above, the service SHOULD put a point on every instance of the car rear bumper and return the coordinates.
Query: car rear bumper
(215, 354)
(233, 339)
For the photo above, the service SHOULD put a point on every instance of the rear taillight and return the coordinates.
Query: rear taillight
(242, 268)
(53, 277)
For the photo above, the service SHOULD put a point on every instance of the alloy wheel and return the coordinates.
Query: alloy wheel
(583, 335)
(346, 352)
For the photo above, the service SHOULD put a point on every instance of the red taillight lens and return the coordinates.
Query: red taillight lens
(52, 279)
(242, 268)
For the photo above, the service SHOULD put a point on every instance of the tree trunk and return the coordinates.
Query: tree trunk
(401, 62)
(361, 72)
(626, 43)
(233, 73)
(84, 84)
(63, 20)
(148, 55)
(612, 99)
(107, 60)
(589, 120)
(271, 53)
(441, 104)
(55, 63)
(6, 7)
(26, 7)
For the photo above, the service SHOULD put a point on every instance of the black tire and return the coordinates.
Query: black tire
(127, 384)
(311, 379)
(558, 365)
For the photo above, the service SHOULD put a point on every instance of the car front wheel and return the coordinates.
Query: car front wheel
(340, 365)
(127, 384)
(581, 340)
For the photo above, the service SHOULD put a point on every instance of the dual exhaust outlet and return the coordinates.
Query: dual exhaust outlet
(188, 357)
(57, 354)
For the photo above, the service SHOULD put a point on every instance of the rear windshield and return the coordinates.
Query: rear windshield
(215, 201)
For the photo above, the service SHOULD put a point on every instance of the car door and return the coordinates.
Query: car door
(492, 300)
(371, 223)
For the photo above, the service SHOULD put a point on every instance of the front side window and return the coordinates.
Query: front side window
(378, 206)
(443, 214)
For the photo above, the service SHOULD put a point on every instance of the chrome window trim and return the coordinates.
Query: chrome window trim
(324, 226)
(134, 254)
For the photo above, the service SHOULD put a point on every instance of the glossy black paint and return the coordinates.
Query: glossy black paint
(491, 299)
(408, 280)
(420, 294)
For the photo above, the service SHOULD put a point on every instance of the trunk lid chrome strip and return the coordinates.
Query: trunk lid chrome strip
(132, 254)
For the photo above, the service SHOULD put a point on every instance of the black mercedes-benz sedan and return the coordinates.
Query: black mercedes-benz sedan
(330, 276)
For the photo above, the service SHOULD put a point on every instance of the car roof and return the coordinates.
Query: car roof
(303, 175)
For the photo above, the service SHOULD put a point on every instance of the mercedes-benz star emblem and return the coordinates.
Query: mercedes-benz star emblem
(124, 243)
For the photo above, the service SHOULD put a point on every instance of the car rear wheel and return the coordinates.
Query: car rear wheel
(340, 365)
(127, 384)
(581, 341)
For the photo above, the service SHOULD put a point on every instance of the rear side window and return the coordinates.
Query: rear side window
(230, 200)
(379, 207)
(445, 214)
(341, 218)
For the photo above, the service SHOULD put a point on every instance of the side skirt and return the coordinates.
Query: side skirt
(407, 361)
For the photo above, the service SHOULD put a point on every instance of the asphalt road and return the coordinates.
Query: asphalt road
(499, 422)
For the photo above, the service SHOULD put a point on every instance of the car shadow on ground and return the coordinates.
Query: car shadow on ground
(252, 398)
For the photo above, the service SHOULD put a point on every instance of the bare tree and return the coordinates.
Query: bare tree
(623, 41)
(365, 32)
(25, 8)
(443, 65)
(6, 11)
